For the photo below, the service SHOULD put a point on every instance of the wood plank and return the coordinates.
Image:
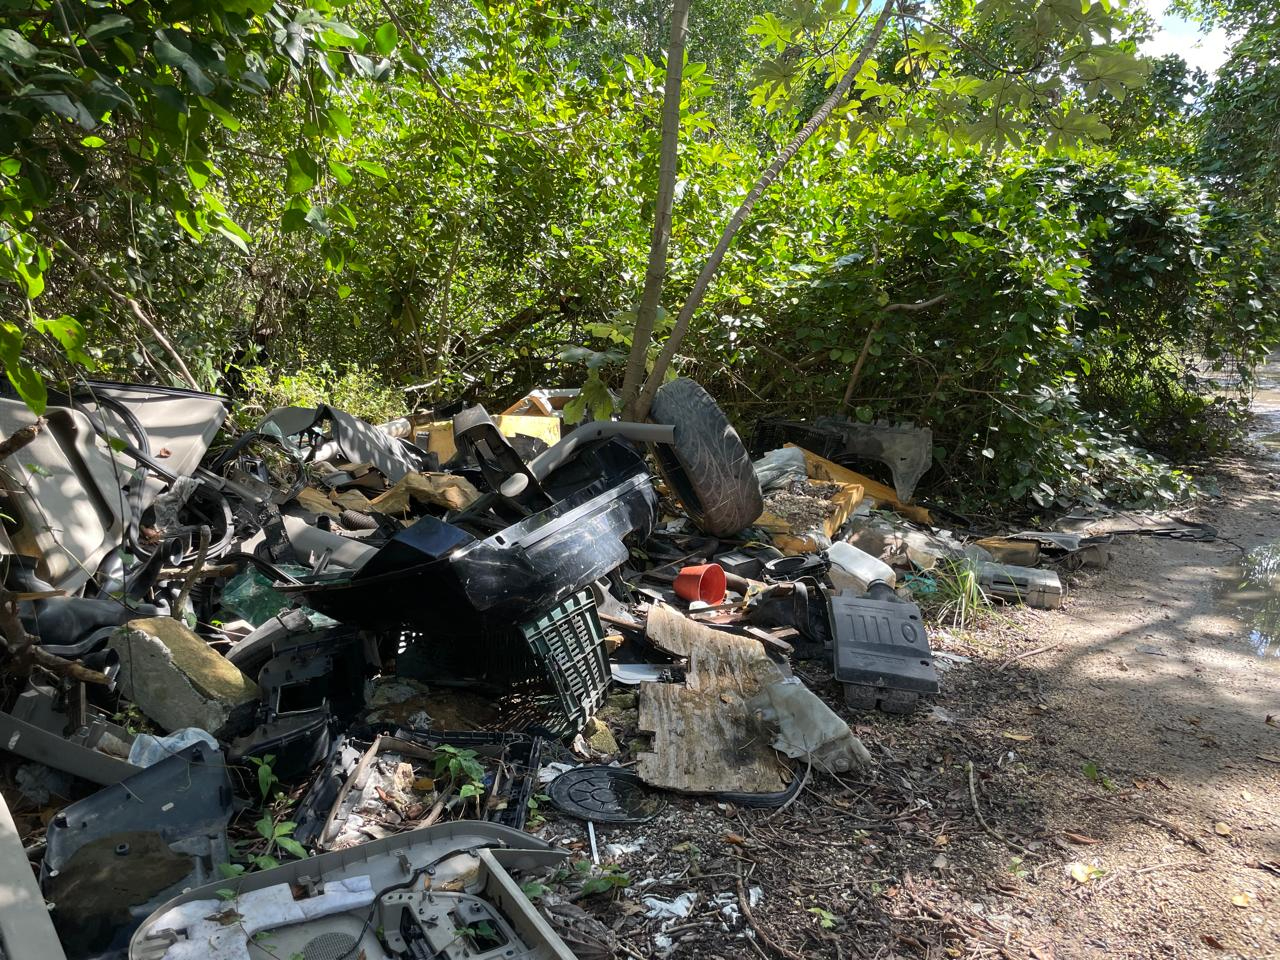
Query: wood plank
(705, 742)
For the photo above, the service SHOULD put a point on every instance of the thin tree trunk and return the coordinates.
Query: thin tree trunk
(656, 272)
(645, 398)
(137, 311)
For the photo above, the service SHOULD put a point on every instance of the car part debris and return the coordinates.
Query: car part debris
(115, 855)
(705, 737)
(604, 795)
(68, 506)
(506, 577)
(26, 931)
(443, 892)
(855, 570)
(1041, 589)
(182, 423)
(807, 728)
(87, 745)
(881, 652)
(905, 449)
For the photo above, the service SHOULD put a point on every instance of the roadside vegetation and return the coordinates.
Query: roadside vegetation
(995, 219)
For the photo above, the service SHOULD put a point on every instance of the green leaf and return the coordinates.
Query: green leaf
(265, 781)
(341, 172)
(302, 172)
(292, 847)
(377, 169)
(15, 49)
(70, 334)
(29, 384)
(173, 56)
(386, 38)
(225, 116)
(265, 826)
(109, 26)
(64, 106)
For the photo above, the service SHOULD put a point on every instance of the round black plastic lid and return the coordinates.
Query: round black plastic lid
(605, 795)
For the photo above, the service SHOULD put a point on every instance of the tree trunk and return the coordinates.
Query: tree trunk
(640, 409)
(656, 272)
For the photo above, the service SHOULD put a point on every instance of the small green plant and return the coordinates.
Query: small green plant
(959, 596)
(1017, 870)
(534, 890)
(609, 877)
(132, 719)
(1091, 772)
(462, 768)
(826, 919)
(536, 819)
(268, 782)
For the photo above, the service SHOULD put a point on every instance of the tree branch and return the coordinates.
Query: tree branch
(137, 311)
(655, 274)
(739, 217)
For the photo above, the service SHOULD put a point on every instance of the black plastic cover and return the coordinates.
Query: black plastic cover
(881, 643)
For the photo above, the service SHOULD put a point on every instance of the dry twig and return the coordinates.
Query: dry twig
(745, 906)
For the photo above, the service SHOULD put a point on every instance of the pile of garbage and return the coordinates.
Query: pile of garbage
(413, 629)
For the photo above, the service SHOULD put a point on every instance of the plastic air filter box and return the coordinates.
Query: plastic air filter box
(881, 653)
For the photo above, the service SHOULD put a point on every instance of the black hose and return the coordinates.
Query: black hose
(357, 520)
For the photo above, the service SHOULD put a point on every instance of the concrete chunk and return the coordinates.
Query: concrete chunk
(177, 680)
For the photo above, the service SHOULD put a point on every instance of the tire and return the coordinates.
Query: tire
(707, 467)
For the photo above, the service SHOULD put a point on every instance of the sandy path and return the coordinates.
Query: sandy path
(1163, 680)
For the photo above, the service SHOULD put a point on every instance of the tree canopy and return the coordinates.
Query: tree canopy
(997, 218)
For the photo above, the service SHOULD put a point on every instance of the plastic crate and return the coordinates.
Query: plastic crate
(568, 643)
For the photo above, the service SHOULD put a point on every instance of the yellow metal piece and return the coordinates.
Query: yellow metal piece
(440, 433)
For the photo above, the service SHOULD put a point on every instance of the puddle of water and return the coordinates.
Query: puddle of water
(1253, 595)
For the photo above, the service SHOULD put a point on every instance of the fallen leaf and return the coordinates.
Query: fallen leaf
(1209, 940)
(1020, 737)
(163, 453)
(1082, 872)
(941, 840)
(1222, 829)
(736, 839)
(1269, 757)
(1242, 899)
(1080, 838)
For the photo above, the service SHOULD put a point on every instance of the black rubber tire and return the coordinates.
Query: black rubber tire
(708, 467)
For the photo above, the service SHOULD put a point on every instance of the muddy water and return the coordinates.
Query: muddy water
(1251, 589)
(1266, 405)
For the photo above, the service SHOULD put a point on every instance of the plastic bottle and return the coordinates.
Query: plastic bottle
(854, 569)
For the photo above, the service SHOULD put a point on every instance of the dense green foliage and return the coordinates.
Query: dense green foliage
(1014, 230)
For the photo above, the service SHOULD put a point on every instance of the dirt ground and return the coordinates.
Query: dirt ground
(1111, 792)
